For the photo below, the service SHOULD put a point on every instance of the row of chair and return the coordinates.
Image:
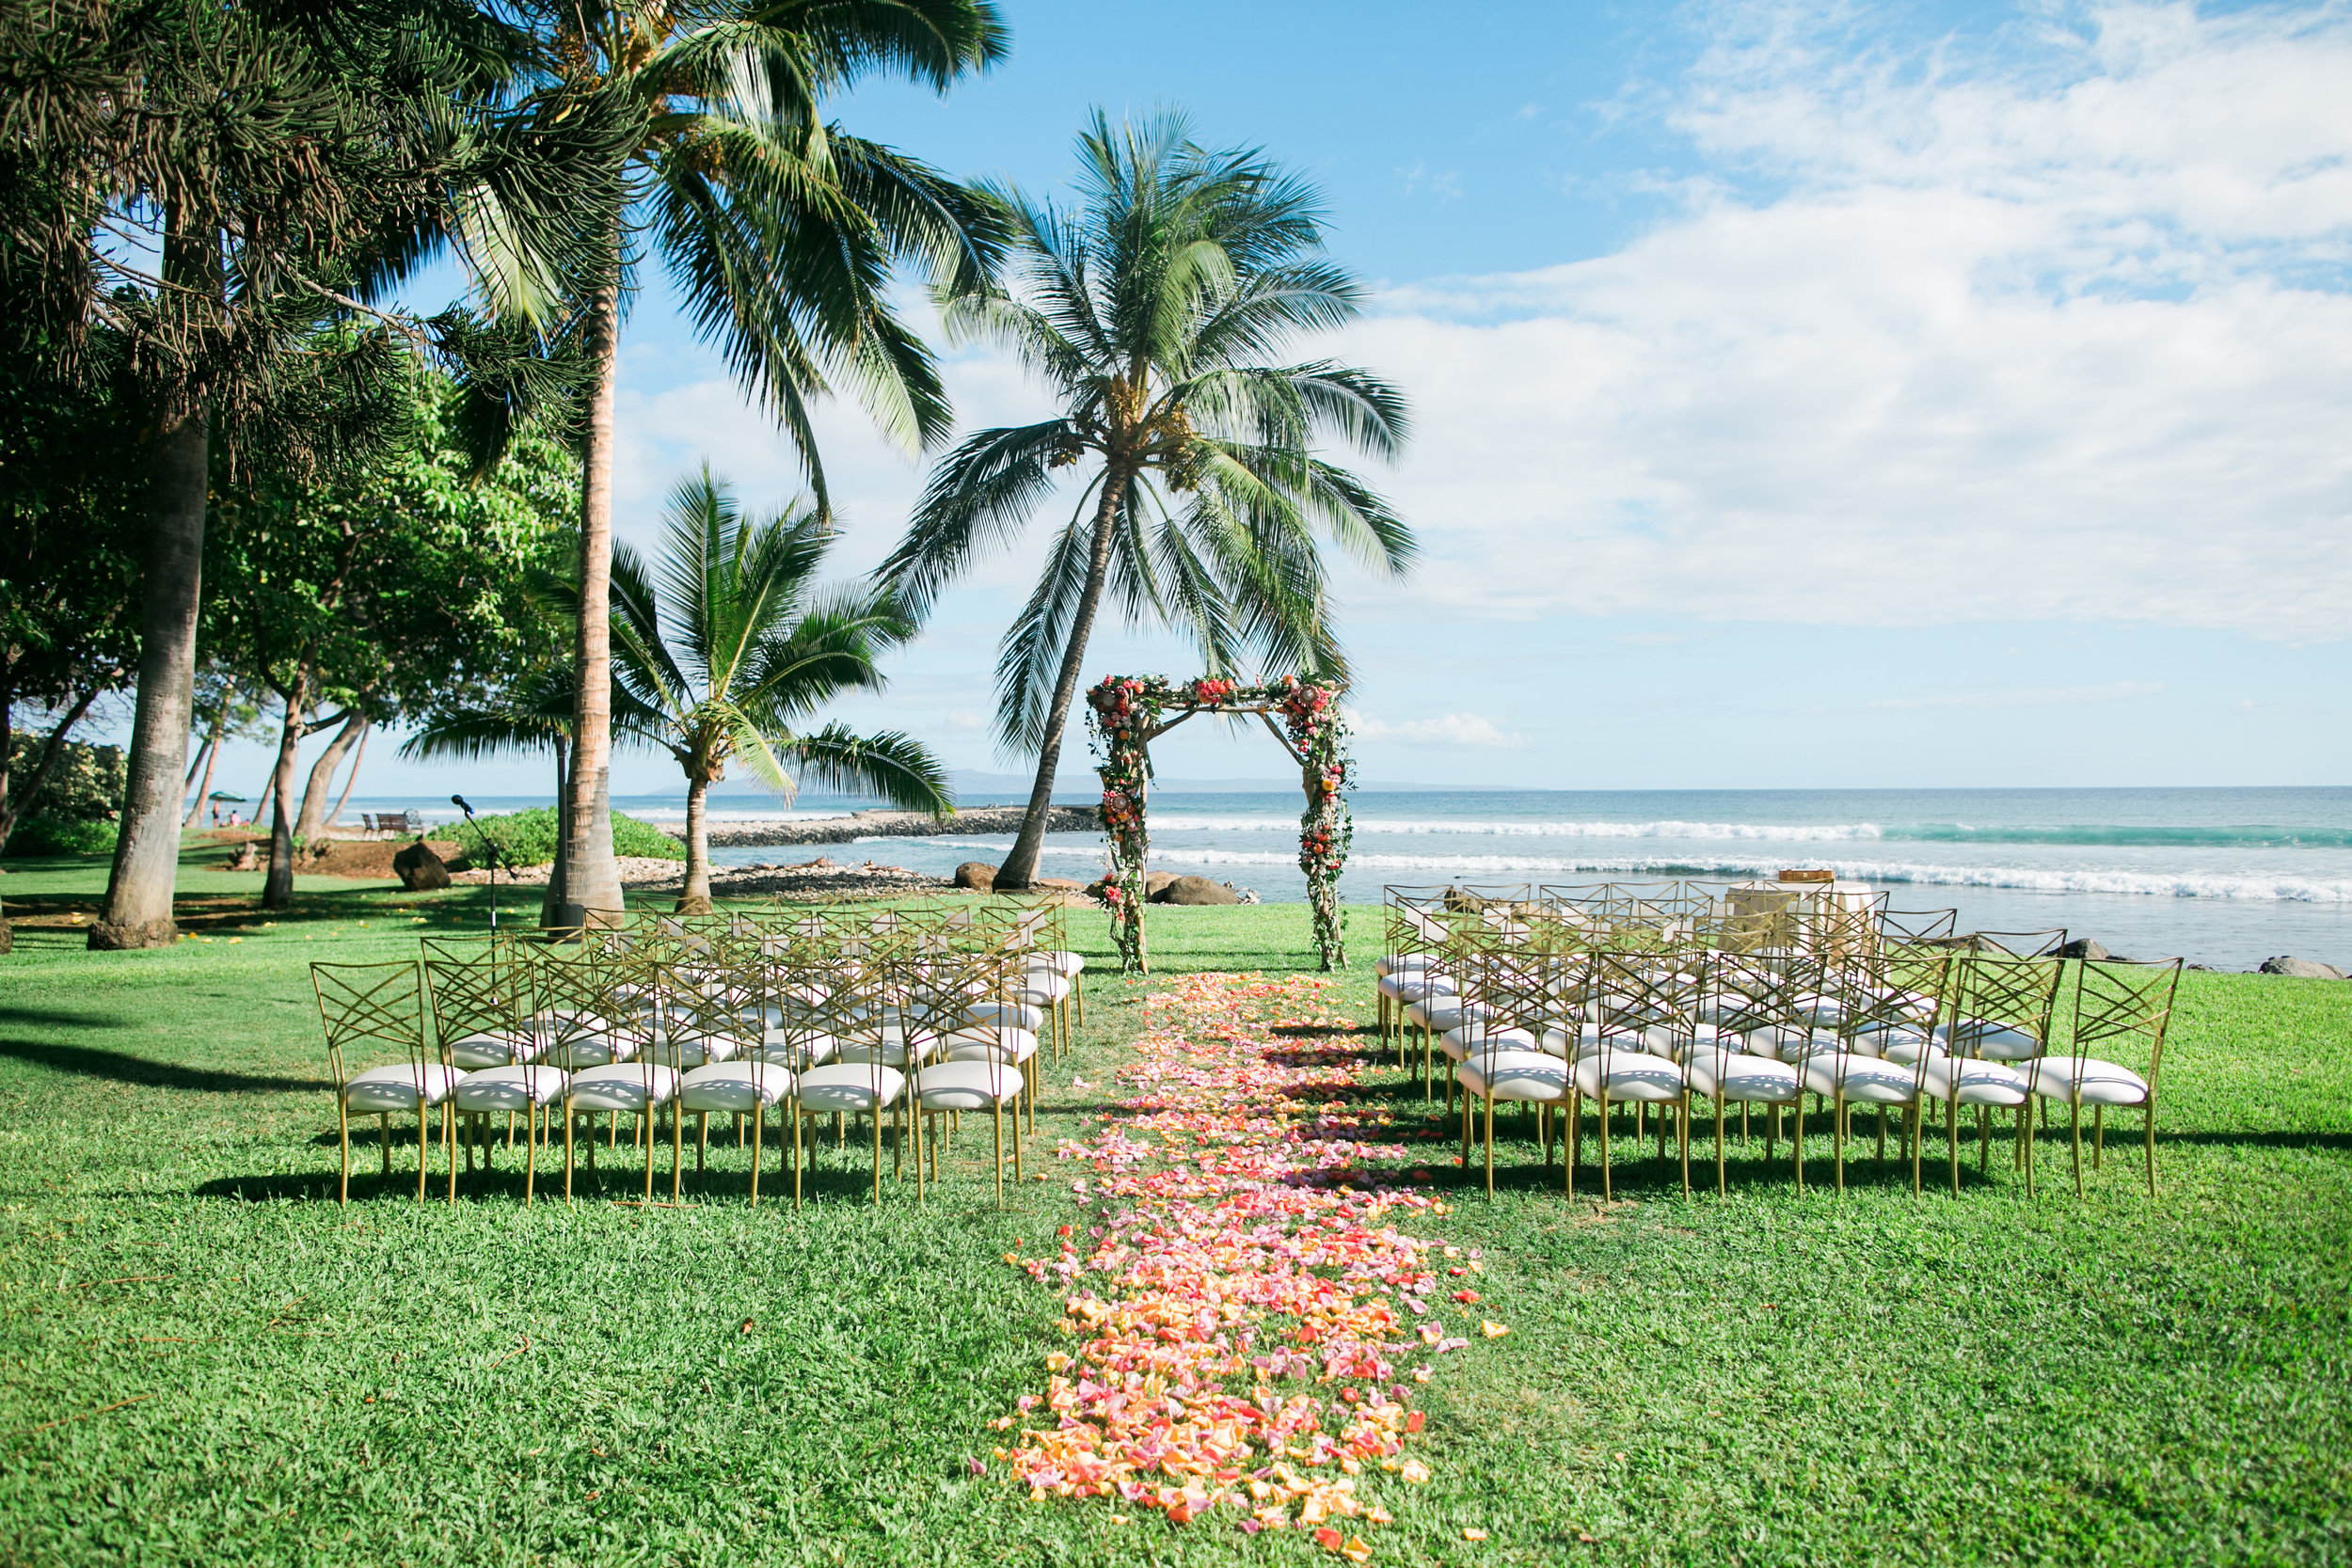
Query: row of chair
(915, 1016)
(1719, 1006)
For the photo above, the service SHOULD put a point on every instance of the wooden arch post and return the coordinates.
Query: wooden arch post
(1129, 712)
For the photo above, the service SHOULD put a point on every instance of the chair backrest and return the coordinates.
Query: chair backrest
(1897, 991)
(2003, 990)
(582, 993)
(1644, 1000)
(476, 986)
(2047, 944)
(364, 1008)
(2128, 1005)
(1770, 993)
(1917, 926)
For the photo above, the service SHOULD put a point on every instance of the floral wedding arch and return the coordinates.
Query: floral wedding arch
(1131, 711)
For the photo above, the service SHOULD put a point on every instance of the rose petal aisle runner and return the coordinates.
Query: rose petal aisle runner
(1248, 1323)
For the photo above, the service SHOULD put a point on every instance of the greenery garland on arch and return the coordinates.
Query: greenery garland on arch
(1131, 711)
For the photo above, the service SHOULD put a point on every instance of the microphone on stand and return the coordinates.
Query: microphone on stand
(490, 852)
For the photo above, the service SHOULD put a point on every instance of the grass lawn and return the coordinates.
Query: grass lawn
(207, 1359)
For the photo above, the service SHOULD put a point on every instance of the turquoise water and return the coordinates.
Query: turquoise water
(2225, 877)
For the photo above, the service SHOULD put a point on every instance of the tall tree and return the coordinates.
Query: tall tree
(780, 231)
(1155, 313)
(388, 586)
(284, 162)
(729, 648)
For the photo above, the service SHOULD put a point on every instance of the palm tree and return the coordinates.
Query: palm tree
(726, 651)
(1153, 312)
(779, 229)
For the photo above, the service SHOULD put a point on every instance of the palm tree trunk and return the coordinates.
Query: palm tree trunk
(551, 902)
(277, 886)
(352, 777)
(137, 911)
(695, 899)
(1020, 867)
(212, 758)
(591, 877)
(314, 816)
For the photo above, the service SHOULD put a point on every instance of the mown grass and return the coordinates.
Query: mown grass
(1773, 1378)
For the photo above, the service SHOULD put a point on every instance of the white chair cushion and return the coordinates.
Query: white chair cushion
(735, 1087)
(1409, 964)
(2086, 1078)
(1415, 986)
(1896, 1042)
(966, 1086)
(970, 1044)
(592, 1051)
(397, 1088)
(1625, 1074)
(1757, 1079)
(509, 1088)
(476, 1052)
(692, 1052)
(1070, 965)
(1800, 1047)
(621, 1086)
(1041, 989)
(1015, 1015)
(1445, 1012)
(1519, 1075)
(1859, 1078)
(895, 1046)
(796, 1047)
(1471, 1038)
(1998, 1043)
(843, 1087)
(1980, 1083)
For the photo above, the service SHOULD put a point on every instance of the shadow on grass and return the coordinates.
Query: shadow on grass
(90, 1062)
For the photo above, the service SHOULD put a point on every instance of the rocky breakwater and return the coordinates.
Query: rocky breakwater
(901, 824)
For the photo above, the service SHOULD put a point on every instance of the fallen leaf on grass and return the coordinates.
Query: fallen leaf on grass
(1469, 1534)
(1493, 1331)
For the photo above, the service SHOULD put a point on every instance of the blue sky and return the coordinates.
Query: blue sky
(1808, 396)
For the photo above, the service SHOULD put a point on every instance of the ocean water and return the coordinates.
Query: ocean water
(2224, 877)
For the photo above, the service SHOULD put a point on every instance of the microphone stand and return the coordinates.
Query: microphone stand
(490, 853)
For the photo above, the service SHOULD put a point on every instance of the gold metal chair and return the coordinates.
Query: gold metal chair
(382, 1004)
(2119, 1008)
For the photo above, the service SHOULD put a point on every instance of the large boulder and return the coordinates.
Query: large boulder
(2302, 969)
(975, 876)
(420, 869)
(2088, 950)
(1195, 891)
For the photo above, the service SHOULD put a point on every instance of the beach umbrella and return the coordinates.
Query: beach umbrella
(224, 795)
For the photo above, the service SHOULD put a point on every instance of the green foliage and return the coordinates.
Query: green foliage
(401, 583)
(44, 834)
(528, 838)
(85, 785)
(726, 649)
(1154, 314)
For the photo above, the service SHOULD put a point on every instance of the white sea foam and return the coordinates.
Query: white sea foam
(2040, 879)
(1168, 821)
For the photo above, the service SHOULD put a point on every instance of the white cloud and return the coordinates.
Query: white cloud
(2050, 334)
(1453, 729)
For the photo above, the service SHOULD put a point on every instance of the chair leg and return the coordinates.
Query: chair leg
(1608, 1188)
(677, 1151)
(1796, 1139)
(2148, 1113)
(876, 1119)
(449, 1115)
(760, 1125)
(1722, 1187)
(1573, 1139)
(531, 1119)
(2098, 1135)
(424, 1147)
(2075, 1135)
(568, 1119)
(1837, 1140)
(342, 1125)
(999, 1166)
(1491, 1144)
(702, 1139)
(797, 1120)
